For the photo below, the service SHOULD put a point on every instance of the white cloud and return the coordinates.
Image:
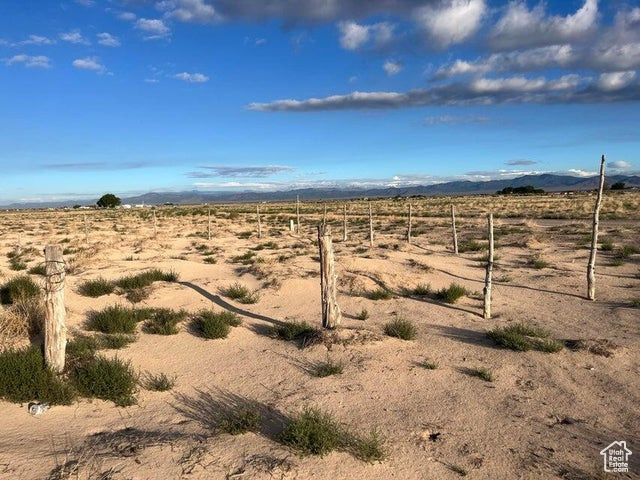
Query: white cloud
(354, 36)
(127, 16)
(36, 40)
(86, 3)
(189, 11)
(192, 77)
(108, 40)
(74, 36)
(38, 61)
(451, 22)
(151, 80)
(89, 63)
(455, 120)
(154, 28)
(581, 173)
(615, 80)
(392, 68)
(520, 27)
(620, 164)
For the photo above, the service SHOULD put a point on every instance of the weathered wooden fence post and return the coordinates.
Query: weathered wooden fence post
(487, 278)
(344, 223)
(259, 223)
(86, 230)
(292, 225)
(370, 226)
(298, 213)
(409, 227)
(55, 333)
(331, 315)
(453, 226)
(324, 215)
(591, 276)
(208, 224)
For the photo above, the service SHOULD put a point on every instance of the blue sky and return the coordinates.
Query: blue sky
(130, 96)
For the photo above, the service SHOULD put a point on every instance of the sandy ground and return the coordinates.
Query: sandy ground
(544, 415)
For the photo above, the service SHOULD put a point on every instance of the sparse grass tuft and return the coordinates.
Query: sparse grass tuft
(428, 364)
(243, 419)
(401, 328)
(108, 379)
(145, 279)
(160, 382)
(313, 432)
(537, 262)
(421, 290)
(164, 321)
(294, 330)
(117, 319)
(18, 287)
(96, 288)
(38, 270)
(363, 315)
(521, 337)
(370, 448)
(328, 368)
(470, 246)
(378, 294)
(481, 372)
(452, 293)
(210, 324)
(241, 293)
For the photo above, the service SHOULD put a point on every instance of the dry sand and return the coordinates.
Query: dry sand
(543, 416)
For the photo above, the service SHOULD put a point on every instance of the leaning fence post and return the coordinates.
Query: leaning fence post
(453, 226)
(370, 226)
(487, 278)
(591, 276)
(409, 227)
(55, 333)
(331, 315)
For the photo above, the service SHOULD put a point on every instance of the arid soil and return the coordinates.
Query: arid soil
(544, 415)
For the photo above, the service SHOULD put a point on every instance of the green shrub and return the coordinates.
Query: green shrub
(470, 246)
(38, 270)
(24, 378)
(521, 337)
(363, 315)
(244, 418)
(145, 279)
(538, 262)
(428, 364)
(421, 290)
(241, 293)
(211, 325)
(209, 259)
(606, 245)
(294, 330)
(108, 379)
(369, 449)
(246, 259)
(96, 288)
(17, 264)
(401, 328)
(160, 382)
(328, 368)
(378, 294)
(313, 432)
(164, 321)
(452, 293)
(18, 287)
(117, 319)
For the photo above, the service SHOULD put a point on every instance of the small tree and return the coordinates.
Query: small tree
(618, 186)
(108, 200)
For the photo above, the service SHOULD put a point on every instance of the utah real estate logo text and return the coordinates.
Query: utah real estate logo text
(616, 457)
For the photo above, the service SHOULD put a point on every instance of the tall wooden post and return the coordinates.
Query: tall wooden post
(370, 226)
(591, 276)
(155, 224)
(324, 215)
(453, 226)
(209, 224)
(259, 224)
(409, 227)
(298, 214)
(86, 230)
(487, 278)
(55, 333)
(344, 222)
(331, 315)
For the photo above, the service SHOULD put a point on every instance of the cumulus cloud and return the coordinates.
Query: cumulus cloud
(89, 63)
(191, 77)
(621, 164)
(354, 36)
(154, 29)
(454, 119)
(481, 91)
(36, 40)
(232, 171)
(126, 16)
(615, 80)
(38, 61)
(392, 68)
(451, 22)
(108, 40)
(520, 27)
(74, 36)
(197, 11)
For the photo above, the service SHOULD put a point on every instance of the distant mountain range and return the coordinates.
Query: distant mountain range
(547, 182)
